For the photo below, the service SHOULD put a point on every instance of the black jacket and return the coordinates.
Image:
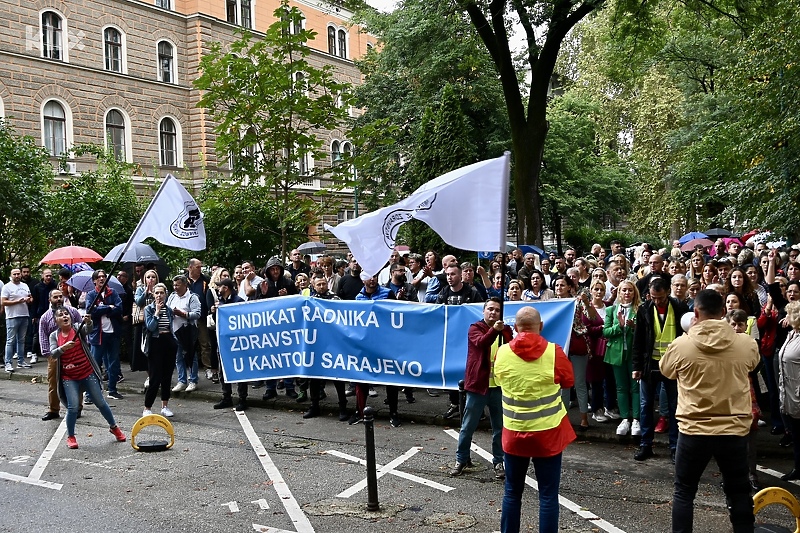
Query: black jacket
(644, 337)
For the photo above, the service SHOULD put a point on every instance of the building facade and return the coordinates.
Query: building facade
(119, 73)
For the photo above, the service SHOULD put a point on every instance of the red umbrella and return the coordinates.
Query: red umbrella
(751, 233)
(689, 246)
(70, 255)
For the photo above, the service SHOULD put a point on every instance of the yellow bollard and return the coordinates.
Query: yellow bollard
(152, 445)
(777, 495)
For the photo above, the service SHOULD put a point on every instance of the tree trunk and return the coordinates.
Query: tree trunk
(528, 152)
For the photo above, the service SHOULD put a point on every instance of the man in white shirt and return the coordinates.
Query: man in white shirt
(15, 297)
(186, 310)
(247, 287)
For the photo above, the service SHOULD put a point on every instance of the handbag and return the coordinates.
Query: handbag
(137, 316)
(600, 346)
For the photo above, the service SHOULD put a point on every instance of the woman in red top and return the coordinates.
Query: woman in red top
(76, 371)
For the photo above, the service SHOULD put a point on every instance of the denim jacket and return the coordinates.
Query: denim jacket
(151, 319)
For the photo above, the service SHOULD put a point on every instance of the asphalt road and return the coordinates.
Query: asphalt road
(270, 470)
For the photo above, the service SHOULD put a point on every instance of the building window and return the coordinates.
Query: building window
(115, 134)
(113, 49)
(344, 215)
(342, 44)
(332, 40)
(55, 128)
(52, 36)
(164, 4)
(166, 62)
(168, 140)
(239, 12)
(336, 154)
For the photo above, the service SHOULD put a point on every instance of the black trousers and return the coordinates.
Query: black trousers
(160, 366)
(693, 455)
(227, 390)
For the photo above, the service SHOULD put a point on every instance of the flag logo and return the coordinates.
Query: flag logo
(396, 218)
(188, 223)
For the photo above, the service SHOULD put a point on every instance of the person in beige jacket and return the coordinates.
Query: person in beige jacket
(712, 365)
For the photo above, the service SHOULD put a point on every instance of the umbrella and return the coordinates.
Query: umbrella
(83, 282)
(749, 235)
(759, 237)
(531, 249)
(313, 247)
(71, 255)
(137, 253)
(718, 232)
(689, 246)
(692, 235)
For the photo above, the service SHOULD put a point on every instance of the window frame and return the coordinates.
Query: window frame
(46, 51)
(240, 11)
(177, 140)
(173, 70)
(66, 123)
(126, 148)
(160, 3)
(123, 63)
(338, 41)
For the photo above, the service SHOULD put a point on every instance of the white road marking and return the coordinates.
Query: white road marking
(775, 473)
(293, 509)
(398, 473)
(50, 449)
(232, 506)
(262, 504)
(382, 471)
(29, 481)
(567, 504)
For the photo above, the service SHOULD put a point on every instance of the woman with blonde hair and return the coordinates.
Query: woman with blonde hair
(142, 298)
(161, 346)
(789, 383)
(696, 263)
(620, 321)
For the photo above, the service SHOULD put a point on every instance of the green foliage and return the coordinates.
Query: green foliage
(26, 177)
(98, 208)
(240, 222)
(582, 238)
(269, 102)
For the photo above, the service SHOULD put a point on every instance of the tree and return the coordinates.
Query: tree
(26, 178)
(546, 24)
(269, 102)
(99, 208)
(428, 55)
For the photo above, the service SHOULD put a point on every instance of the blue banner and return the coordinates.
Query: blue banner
(385, 342)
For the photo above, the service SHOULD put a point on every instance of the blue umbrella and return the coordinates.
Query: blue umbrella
(692, 235)
(531, 249)
(83, 282)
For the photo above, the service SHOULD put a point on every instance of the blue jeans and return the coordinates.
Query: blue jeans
(72, 390)
(180, 364)
(648, 394)
(107, 356)
(693, 455)
(548, 475)
(15, 338)
(272, 384)
(473, 411)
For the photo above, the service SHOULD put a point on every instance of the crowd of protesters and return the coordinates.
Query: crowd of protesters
(614, 341)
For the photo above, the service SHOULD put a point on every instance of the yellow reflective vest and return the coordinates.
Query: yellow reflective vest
(665, 335)
(531, 397)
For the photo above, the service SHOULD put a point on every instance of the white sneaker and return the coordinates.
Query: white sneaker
(191, 386)
(147, 412)
(179, 386)
(613, 414)
(762, 423)
(636, 429)
(165, 411)
(372, 392)
(599, 416)
(9, 367)
(624, 427)
(209, 373)
(34, 358)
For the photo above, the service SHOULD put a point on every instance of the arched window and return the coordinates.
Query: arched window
(55, 128)
(168, 143)
(166, 62)
(332, 40)
(336, 155)
(342, 44)
(115, 134)
(113, 49)
(52, 36)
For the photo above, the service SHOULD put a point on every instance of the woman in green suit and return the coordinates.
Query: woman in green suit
(618, 329)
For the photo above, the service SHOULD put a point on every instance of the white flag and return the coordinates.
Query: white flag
(467, 207)
(172, 218)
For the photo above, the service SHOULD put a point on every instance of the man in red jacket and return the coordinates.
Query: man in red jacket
(482, 344)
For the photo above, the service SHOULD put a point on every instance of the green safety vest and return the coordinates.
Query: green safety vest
(531, 397)
(666, 336)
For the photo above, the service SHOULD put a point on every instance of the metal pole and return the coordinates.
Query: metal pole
(462, 399)
(372, 474)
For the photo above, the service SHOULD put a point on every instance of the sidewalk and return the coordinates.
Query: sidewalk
(426, 410)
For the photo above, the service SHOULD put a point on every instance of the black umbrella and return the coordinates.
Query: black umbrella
(137, 253)
(717, 233)
(313, 247)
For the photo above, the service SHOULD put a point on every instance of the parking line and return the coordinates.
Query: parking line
(50, 449)
(567, 504)
(293, 509)
(398, 473)
(382, 471)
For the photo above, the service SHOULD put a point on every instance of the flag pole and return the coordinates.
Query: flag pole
(127, 245)
(503, 232)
